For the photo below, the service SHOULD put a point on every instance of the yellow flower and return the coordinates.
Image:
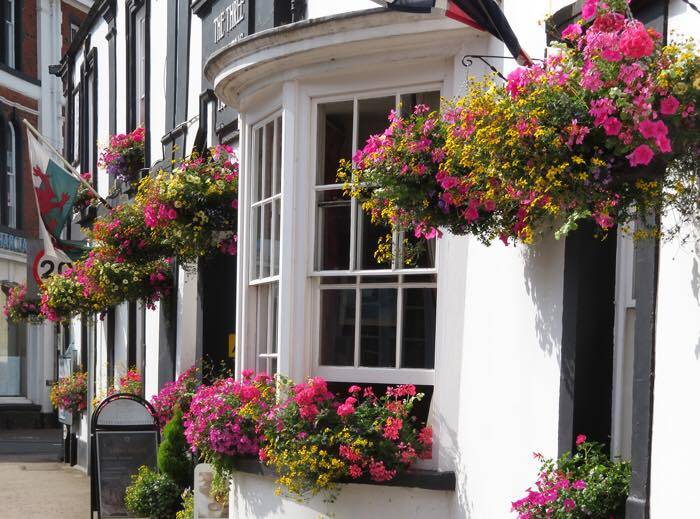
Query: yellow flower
(680, 88)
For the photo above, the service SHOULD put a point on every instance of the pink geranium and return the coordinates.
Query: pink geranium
(635, 41)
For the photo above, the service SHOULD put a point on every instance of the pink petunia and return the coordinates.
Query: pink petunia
(572, 32)
(641, 156)
(589, 9)
(669, 105)
(652, 129)
(612, 126)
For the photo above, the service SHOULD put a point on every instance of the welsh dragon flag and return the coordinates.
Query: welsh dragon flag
(54, 190)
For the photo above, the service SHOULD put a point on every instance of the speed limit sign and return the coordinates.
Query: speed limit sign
(45, 265)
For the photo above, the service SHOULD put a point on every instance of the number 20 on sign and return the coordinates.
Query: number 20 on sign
(45, 265)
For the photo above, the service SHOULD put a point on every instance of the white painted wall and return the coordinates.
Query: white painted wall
(152, 383)
(253, 497)
(674, 458)
(189, 309)
(159, 40)
(121, 338)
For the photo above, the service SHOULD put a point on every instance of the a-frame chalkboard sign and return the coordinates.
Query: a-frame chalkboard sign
(124, 434)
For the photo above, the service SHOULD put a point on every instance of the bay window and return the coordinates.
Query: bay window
(265, 211)
(375, 320)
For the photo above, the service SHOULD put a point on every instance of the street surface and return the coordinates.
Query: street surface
(34, 484)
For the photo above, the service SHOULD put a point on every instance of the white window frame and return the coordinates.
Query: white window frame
(76, 124)
(258, 281)
(357, 373)
(11, 175)
(74, 31)
(140, 68)
(10, 35)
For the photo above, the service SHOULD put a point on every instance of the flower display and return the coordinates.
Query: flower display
(605, 128)
(130, 382)
(314, 439)
(123, 158)
(70, 393)
(84, 198)
(579, 485)
(97, 283)
(19, 308)
(177, 394)
(123, 235)
(193, 209)
(185, 214)
(223, 420)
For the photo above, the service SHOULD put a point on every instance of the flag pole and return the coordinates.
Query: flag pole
(69, 166)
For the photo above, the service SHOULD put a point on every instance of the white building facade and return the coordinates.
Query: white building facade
(32, 36)
(517, 348)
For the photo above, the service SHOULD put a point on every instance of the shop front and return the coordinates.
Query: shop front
(13, 337)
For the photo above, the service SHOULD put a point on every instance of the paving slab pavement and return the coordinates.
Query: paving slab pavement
(34, 484)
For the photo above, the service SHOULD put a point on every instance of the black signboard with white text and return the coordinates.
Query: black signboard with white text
(225, 22)
(125, 436)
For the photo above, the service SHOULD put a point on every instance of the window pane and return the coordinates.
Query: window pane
(255, 238)
(267, 242)
(338, 280)
(257, 169)
(367, 242)
(268, 150)
(10, 179)
(278, 156)
(418, 342)
(378, 328)
(373, 117)
(337, 345)
(379, 279)
(417, 252)
(274, 288)
(408, 101)
(261, 319)
(275, 245)
(333, 231)
(76, 125)
(334, 139)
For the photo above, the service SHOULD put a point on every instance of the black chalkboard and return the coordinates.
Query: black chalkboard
(119, 455)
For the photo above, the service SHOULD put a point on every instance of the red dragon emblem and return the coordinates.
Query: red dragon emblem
(46, 198)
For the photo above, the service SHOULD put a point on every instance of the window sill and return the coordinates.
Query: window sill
(19, 74)
(415, 478)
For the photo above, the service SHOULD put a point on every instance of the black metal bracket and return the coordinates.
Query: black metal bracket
(468, 61)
